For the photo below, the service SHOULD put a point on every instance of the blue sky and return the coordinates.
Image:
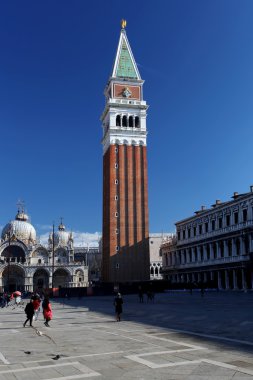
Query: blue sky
(196, 58)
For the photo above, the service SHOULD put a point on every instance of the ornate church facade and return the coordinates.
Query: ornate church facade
(27, 265)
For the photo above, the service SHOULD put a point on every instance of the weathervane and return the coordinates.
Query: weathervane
(123, 24)
(21, 205)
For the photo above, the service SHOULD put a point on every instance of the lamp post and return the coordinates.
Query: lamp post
(53, 264)
(9, 254)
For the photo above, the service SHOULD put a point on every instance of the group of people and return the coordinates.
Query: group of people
(150, 295)
(32, 310)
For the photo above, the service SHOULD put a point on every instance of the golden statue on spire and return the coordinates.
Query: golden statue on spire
(123, 24)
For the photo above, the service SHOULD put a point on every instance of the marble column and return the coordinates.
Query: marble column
(218, 250)
(219, 280)
(235, 286)
(244, 285)
(227, 279)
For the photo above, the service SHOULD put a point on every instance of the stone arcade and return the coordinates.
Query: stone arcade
(27, 265)
(214, 247)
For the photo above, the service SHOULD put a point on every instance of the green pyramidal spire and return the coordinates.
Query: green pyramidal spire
(125, 65)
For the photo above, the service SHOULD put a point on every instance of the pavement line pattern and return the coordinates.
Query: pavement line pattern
(212, 336)
(4, 360)
(82, 356)
(53, 366)
(138, 359)
(128, 337)
(191, 346)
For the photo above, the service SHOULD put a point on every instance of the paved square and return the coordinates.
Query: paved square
(180, 336)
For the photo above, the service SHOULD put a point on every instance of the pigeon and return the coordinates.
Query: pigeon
(56, 357)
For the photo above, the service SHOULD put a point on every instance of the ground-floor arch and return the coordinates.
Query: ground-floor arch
(61, 278)
(13, 278)
(40, 280)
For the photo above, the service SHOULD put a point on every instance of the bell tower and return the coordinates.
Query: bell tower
(125, 194)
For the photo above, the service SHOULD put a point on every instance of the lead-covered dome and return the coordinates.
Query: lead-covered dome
(20, 228)
(61, 237)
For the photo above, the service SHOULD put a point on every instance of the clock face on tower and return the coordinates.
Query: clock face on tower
(126, 92)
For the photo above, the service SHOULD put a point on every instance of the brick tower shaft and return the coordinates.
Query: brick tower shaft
(125, 193)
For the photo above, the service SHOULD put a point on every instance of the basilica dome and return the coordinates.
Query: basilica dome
(20, 228)
(61, 237)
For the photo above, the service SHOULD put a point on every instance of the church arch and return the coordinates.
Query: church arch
(14, 253)
(131, 122)
(39, 256)
(137, 122)
(61, 256)
(13, 278)
(61, 278)
(40, 280)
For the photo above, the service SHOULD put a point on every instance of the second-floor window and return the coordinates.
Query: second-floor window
(228, 220)
(245, 215)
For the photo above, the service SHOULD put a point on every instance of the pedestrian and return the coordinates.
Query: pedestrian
(47, 311)
(118, 301)
(36, 305)
(140, 294)
(29, 310)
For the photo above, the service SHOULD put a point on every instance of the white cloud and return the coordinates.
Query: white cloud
(44, 227)
(80, 238)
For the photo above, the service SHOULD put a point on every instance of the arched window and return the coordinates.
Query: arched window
(152, 271)
(137, 122)
(118, 121)
(156, 271)
(124, 121)
(131, 122)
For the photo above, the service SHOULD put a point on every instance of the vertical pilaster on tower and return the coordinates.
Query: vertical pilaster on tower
(125, 193)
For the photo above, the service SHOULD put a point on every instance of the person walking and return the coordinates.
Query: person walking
(118, 301)
(47, 311)
(140, 291)
(29, 310)
(36, 305)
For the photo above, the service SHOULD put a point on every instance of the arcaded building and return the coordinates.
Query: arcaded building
(125, 247)
(213, 247)
(27, 265)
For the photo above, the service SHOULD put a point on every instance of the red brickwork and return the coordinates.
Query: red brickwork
(131, 262)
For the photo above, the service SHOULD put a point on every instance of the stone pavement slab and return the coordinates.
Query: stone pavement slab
(180, 336)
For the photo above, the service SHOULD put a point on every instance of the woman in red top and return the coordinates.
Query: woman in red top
(36, 306)
(47, 311)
